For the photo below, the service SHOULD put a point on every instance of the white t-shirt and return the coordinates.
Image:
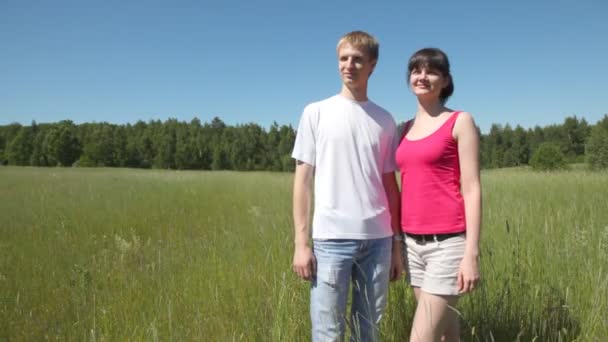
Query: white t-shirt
(350, 144)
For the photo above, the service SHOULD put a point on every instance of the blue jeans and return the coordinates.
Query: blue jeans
(367, 264)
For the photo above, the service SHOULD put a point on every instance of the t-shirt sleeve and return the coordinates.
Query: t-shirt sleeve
(389, 160)
(304, 148)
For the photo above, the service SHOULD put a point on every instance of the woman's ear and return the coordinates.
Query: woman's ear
(446, 81)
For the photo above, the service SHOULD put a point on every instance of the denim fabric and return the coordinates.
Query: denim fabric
(367, 264)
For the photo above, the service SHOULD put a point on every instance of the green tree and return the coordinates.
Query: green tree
(62, 147)
(219, 158)
(2, 149)
(222, 138)
(521, 146)
(548, 156)
(272, 146)
(494, 150)
(185, 148)
(536, 137)
(510, 155)
(199, 152)
(254, 138)
(288, 138)
(167, 143)
(120, 143)
(7, 133)
(98, 150)
(603, 122)
(129, 153)
(556, 134)
(484, 151)
(146, 142)
(38, 158)
(205, 145)
(20, 148)
(575, 131)
(596, 150)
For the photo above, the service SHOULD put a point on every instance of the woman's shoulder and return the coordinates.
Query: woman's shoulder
(464, 117)
(464, 124)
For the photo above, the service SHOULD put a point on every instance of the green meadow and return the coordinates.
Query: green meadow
(123, 254)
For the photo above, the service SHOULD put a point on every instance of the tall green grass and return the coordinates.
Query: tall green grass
(118, 254)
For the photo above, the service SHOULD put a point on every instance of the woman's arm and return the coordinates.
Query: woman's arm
(467, 137)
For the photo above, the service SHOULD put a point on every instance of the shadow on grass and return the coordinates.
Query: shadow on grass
(521, 306)
(513, 312)
(525, 322)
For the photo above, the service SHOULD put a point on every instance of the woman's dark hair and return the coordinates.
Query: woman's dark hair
(435, 59)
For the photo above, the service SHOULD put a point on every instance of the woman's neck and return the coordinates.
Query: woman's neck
(430, 108)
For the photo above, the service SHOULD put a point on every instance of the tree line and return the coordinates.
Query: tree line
(573, 141)
(162, 145)
(217, 146)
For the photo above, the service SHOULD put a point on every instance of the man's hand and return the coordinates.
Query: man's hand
(304, 263)
(396, 260)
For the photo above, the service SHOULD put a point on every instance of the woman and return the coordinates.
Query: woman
(440, 198)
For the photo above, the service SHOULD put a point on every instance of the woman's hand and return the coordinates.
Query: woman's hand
(468, 274)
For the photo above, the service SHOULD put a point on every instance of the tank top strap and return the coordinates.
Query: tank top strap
(449, 124)
(406, 127)
(452, 119)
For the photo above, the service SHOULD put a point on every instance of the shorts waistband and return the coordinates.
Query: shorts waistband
(423, 238)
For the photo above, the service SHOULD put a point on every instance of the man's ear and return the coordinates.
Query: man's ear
(374, 62)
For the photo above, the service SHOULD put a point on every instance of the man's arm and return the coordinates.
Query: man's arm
(394, 203)
(303, 260)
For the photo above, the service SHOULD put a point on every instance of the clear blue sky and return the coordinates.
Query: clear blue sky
(516, 62)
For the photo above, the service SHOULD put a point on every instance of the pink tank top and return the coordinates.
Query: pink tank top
(431, 202)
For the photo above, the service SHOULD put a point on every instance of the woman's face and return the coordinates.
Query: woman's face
(427, 82)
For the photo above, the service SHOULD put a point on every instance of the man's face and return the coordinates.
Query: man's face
(355, 65)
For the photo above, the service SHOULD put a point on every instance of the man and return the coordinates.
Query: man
(348, 143)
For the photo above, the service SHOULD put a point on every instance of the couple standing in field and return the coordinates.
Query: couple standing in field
(351, 147)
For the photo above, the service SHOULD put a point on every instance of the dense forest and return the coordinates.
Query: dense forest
(216, 146)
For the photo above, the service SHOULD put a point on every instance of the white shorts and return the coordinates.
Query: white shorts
(433, 266)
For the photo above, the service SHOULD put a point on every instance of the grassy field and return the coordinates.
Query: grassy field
(118, 254)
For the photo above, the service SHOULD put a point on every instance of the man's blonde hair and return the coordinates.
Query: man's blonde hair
(361, 40)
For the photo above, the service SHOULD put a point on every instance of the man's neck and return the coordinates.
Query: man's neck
(357, 94)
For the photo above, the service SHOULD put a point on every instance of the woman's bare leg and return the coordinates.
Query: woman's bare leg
(434, 320)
